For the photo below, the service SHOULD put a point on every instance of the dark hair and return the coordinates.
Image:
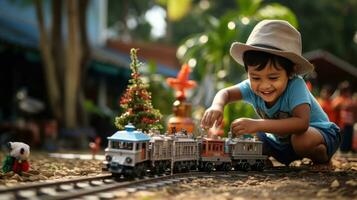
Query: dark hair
(260, 59)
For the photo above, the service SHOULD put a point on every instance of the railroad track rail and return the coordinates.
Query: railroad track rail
(27, 191)
(100, 185)
(76, 188)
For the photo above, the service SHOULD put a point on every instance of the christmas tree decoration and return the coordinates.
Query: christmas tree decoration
(136, 102)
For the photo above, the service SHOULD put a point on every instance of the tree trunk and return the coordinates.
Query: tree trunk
(49, 66)
(57, 41)
(86, 52)
(72, 72)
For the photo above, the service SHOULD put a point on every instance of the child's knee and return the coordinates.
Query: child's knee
(300, 145)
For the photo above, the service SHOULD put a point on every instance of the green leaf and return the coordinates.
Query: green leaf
(277, 11)
(248, 7)
(152, 67)
(177, 9)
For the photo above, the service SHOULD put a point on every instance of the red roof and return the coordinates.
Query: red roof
(331, 69)
(159, 53)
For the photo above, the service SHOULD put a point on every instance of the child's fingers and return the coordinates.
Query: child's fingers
(205, 120)
(210, 120)
(210, 117)
(237, 129)
(219, 120)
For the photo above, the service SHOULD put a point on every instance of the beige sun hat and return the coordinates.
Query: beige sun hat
(277, 37)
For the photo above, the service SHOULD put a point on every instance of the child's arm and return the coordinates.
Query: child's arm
(296, 124)
(214, 114)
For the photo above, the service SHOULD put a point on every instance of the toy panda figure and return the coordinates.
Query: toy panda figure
(16, 161)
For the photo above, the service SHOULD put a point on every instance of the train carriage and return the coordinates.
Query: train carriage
(185, 152)
(127, 152)
(160, 152)
(213, 155)
(247, 154)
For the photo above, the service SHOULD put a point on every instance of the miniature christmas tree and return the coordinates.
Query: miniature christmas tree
(136, 102)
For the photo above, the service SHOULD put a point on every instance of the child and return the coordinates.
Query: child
(293, 124)
(325, 101)
(343, 104)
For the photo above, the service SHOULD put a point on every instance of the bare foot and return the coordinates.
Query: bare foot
(325, 167)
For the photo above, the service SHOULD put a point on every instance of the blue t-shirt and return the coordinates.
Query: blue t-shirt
(296, 93)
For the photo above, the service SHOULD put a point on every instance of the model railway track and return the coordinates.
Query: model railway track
(81, 187)
(29, 191)
(98, 185)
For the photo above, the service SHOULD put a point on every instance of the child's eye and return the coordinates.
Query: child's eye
(273, 78)
(255, 78)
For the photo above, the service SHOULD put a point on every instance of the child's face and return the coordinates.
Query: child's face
(268, 83)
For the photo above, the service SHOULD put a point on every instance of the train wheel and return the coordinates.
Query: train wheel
(178, 168)
(156, 170)
(140, 171)
(259, 166)
(136, 172)
(193, 166)
(236, 167)
(161, 168)
(186, 167)
(201, 167)
(209, 167)
(245, 166)
(227, 167)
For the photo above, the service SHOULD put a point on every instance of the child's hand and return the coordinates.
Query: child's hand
(213, 115)
(244, 126)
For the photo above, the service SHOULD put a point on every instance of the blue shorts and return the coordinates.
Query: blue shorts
(284, 152)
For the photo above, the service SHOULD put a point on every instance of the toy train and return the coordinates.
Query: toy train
(132, 153)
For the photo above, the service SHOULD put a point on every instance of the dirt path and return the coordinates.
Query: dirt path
(304, 183)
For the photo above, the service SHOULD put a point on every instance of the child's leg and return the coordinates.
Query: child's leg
(282, 152)
(315, 144)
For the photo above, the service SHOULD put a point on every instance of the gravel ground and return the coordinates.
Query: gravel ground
(43, 167)
(337, 183)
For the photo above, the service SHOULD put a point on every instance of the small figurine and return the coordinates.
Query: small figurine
(181, 82)
(182, 109)
(95, 146)
(16, 161)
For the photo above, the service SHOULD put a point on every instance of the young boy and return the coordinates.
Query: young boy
(292, 124)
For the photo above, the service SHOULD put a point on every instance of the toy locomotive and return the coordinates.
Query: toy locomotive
(132, 153)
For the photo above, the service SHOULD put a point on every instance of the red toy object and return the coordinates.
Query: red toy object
(182, 110)
(21, 166)
(95, 146)
(181, 82)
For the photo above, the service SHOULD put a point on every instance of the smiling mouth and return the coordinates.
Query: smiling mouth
(267, 93)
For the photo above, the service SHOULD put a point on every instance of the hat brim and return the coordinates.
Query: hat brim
(302, 66)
